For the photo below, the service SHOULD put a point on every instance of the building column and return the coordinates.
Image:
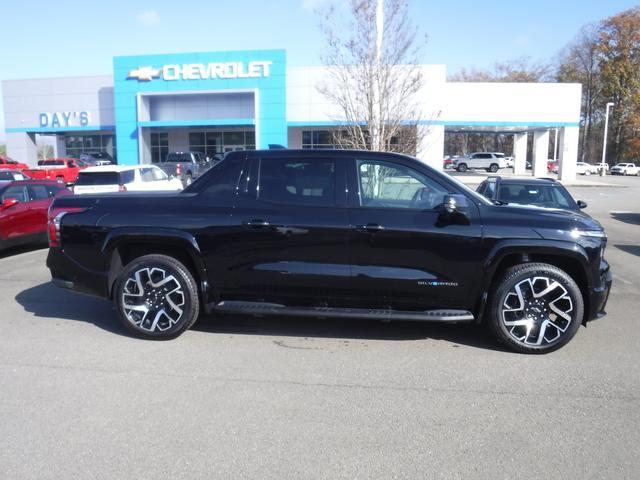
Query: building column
(22, 148)
(431, 145)
(520, 153)
(540, 152)
(144, 145)
(568, 153)
(60, 147)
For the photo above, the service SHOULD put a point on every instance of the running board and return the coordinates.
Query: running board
(442, 315)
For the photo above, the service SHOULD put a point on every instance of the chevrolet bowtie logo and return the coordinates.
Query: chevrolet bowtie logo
(144, 74)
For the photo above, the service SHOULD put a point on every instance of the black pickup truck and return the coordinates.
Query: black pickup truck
(333, 234)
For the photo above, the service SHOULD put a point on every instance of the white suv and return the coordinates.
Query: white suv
(625, 169)
(124, 178)
(489, 161)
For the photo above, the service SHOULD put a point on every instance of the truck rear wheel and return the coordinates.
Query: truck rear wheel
(156, 297)
(535, 308)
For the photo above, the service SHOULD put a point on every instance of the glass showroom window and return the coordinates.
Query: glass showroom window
(159, 146)
(210, 143)
(318, 139)
(77, 144)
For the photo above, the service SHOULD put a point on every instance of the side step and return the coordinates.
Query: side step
(442, 315)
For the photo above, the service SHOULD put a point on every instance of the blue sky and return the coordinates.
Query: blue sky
(71, 37)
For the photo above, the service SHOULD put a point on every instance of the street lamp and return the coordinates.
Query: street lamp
(604, 141)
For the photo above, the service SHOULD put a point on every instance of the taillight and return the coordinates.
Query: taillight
(122, 188)
(54, 222)
(179, 169)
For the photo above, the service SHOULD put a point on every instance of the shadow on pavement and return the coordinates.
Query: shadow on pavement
(48, 301)
(352, 329)
(627, 217)
(632, 249)
(17, 250)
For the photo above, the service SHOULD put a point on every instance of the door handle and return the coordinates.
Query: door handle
(256, 223)
(370, 227)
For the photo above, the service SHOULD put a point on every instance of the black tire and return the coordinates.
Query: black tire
(556, 330)
(462, 167)
(493, 168)
(177, 297)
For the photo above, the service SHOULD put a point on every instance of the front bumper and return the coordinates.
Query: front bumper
(599, 294)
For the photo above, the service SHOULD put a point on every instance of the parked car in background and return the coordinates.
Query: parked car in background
(489, 161)
(541, 192)
(10, 164)
(552, 166)
(7, 175)
(62, 170)
(23, 210)
(123, 178)
(508, 161)
(187, 166)
(625, 169)
(583, 168)
(447, 162)
(322, 233)
(96, 158)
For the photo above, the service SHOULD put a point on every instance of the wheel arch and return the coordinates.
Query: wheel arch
(121, 246)
(568, 257)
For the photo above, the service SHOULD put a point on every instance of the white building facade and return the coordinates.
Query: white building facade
(220, 101)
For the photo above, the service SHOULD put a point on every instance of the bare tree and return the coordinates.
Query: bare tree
(522, 69)
(45, 151)
(373, 75)
(578, 62)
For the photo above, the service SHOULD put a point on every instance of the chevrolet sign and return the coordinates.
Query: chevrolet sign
(203, 71)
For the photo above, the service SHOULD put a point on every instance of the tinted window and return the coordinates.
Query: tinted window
(17, 192)
(395, 186)
(53, 190)
(304, 182)
(37, 192)
(147, 175)
(221, 180)
(10, 176)
(97, 178)
(128, 176)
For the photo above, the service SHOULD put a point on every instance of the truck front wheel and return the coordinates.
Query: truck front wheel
(535, 308)
(156, 297)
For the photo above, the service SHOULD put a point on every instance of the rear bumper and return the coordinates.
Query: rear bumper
(599, 294)
(67, 273)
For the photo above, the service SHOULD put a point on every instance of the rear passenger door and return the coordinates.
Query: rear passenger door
(39, 201)
(290, 229)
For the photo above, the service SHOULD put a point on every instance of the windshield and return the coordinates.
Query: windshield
(550, 196)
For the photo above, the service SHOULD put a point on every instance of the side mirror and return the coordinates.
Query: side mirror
(455, 203)
(9, 202)
(581, 204)
(454, 210)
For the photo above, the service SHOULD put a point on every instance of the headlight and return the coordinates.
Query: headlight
(588, 233)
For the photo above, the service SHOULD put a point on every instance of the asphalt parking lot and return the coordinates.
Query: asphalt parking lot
(245, 397)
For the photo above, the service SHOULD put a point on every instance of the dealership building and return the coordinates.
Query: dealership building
(214, 102)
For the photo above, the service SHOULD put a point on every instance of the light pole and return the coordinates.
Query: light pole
(604, 141)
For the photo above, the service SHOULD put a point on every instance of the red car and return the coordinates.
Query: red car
(8, 163)
(23, 210)
(63, 170)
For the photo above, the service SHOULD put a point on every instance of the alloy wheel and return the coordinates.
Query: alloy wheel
(537, 311)
(153, 300)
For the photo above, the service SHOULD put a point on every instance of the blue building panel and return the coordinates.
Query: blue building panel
(260, 71)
